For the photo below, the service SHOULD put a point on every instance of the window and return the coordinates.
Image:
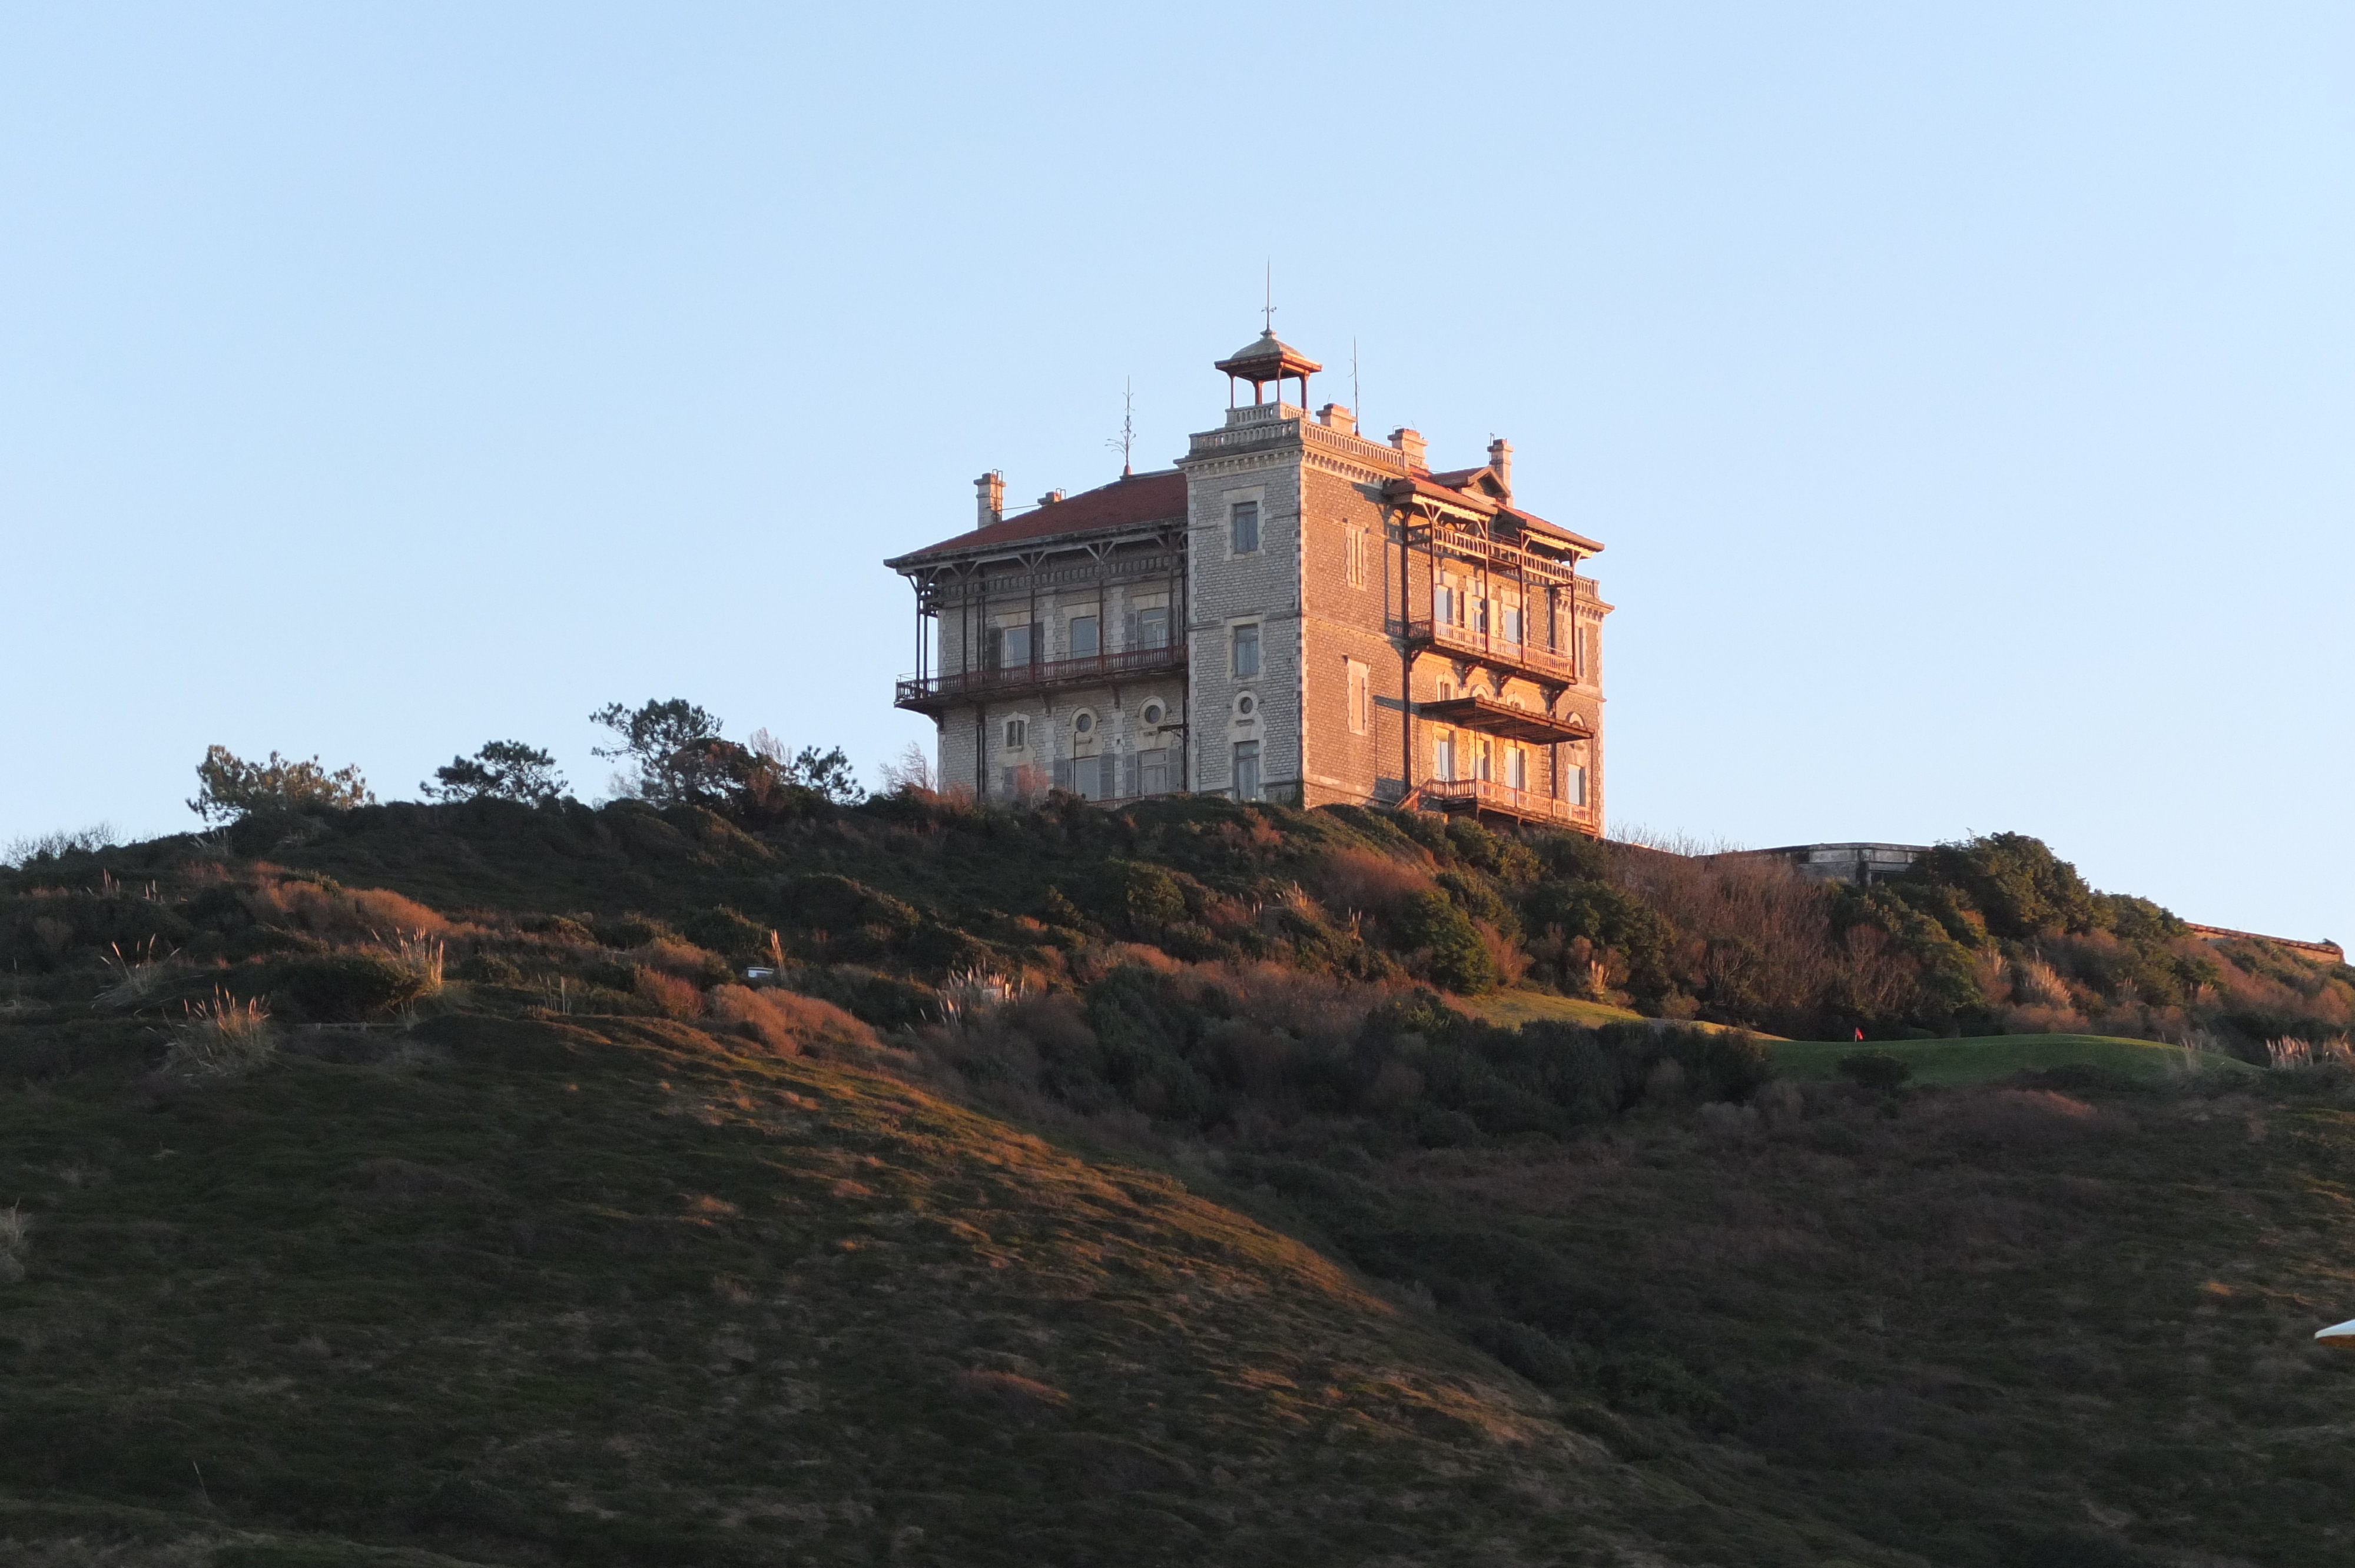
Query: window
(1155, 769)
(1244, 525)
(1084, 643)
(1573, 782)
(1448, 602)
(1517, 768)
(1356, 560)
(1446, 691)
(1361, 698)
(1247, 786)
(1485, 760)
(1443, 754)
(1149, 628)
(1480, 616)
(1091, 776)
(1512, 618)
(1246, 661)
(1017, 733)
(1085, 724)
(1009, 646)
(1154, 713)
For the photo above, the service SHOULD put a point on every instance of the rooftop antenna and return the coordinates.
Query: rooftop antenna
(1267, 311)
(1356, 399)
(1127, 437)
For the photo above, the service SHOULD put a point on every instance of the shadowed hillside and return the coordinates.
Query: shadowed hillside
(434, 1184)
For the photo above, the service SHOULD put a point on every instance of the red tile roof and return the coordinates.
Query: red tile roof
(1124, 503)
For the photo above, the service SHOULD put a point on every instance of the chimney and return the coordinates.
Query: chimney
(1052, 497)
(1339, 418)
(1500, 458)
(991, 489)
(1409, 443)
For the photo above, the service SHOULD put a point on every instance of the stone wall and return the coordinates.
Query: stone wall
(1258, 461)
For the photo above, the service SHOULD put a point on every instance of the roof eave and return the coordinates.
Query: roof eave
(948, 551)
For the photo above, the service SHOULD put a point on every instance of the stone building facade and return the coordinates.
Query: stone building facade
(1293, 612)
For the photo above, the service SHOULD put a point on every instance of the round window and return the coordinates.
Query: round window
(1085, 724)
(1246, 704)
(1153, 712)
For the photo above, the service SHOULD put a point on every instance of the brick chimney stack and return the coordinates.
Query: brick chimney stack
(1500, 458)
(1411, 443)
(991, 498)
(1336, 416)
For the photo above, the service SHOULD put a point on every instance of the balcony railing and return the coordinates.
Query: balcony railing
(1485, 795)
(1533, 658)
(928, 692)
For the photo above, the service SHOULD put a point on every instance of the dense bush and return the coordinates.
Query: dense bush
(341, 988)
(1437, 931)
(1261, 1054)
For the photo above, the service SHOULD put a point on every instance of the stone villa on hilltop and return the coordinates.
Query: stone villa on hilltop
(1294, 612)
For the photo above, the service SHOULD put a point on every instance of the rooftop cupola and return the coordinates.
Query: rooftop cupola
(1268, 359)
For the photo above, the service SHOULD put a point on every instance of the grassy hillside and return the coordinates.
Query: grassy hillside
(605, 1290)
(1083, 1188)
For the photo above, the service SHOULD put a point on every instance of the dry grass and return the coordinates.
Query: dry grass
(222, 1038)
(136, 975)
(16, 1241)
(421, 956)
(2035, 983)
(970, 996)
(2291, 1052)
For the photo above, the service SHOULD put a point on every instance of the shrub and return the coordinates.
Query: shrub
(1367, 882)
(723, 930)
(1876, 1070)
(1142, 899)
(56, 847)
(347, 988)
(1453, 953)
(788, 1022)
(2016, 882)
(686, 961)
(337, 913)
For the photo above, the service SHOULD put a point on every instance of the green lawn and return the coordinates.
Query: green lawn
(1978, 1061)
(1511, 1009)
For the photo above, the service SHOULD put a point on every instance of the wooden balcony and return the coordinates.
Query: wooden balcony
(932, 694)
(1521, 658)
(1488, 716)
(1485, 795)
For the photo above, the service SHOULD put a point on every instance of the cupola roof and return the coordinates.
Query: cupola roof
(1268, 358)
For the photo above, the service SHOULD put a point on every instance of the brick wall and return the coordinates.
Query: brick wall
(1349, 620)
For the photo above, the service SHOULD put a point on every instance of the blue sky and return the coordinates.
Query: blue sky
(1965, 393)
